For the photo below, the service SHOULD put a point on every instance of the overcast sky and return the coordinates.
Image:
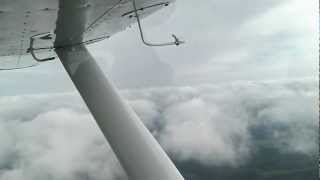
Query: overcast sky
(227, 41)
(245, 64)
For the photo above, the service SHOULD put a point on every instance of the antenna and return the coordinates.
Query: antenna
(176, 41)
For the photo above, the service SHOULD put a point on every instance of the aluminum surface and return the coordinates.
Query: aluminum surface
(22, 19)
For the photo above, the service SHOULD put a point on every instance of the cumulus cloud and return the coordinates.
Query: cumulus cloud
(51, 139)
(221, 124)
(54, 136)
(199, 130)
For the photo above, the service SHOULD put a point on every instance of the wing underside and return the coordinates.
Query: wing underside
(24, 21)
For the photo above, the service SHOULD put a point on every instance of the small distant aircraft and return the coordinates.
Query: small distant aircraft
(64, 28)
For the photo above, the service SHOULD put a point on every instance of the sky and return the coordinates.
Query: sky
(243, 89)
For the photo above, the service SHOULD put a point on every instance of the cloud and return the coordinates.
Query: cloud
(147, 111)
(199, 130)
(221, 124)
(54, 136)
(55, 142)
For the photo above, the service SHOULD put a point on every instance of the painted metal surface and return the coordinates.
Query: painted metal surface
(138, 152)
(22, 19)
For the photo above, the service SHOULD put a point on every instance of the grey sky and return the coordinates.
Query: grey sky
(226, 41)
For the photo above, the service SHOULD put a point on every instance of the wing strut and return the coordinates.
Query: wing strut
(138, 152)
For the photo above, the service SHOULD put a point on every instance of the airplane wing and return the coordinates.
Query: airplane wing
(37, 21)
(64, 27)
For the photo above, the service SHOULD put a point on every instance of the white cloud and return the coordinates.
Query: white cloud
(199, 130)
(58, 143)
(147, 111)
(54, 135)
(213, 124)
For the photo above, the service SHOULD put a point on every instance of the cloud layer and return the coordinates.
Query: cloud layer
(49, 139)
(54, 137)
(215, 124)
